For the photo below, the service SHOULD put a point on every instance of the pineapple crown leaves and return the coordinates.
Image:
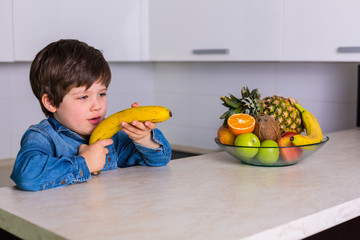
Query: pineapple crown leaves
(231, 102)
(249, 103)
(252, 106)
(234, 105)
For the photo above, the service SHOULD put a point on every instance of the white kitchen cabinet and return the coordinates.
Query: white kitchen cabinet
(215, 30)
(116, 27)
(321, 30)
(6, 39)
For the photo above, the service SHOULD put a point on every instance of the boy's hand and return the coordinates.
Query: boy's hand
(95, 154)
(139, 132)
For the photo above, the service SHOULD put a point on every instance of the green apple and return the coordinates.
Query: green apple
(269, 152)
(250, 143)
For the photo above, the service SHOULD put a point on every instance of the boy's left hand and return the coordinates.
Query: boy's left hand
(139, 132)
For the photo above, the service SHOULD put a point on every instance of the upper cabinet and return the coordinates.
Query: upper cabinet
(321, 30)
(115, 27)
(186, 30)
(215, 30)
(6, 39)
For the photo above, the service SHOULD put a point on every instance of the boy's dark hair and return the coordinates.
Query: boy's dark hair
(63, 65)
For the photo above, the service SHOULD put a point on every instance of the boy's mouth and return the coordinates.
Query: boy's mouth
(94, 120)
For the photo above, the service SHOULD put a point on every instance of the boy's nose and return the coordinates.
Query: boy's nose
(96, 105)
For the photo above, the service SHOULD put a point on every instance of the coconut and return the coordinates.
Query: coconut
(266, 128)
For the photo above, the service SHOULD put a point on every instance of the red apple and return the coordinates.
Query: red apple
(288, 154)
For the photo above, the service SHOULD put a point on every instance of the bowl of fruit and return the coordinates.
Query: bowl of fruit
(274, 131)
(269, 152)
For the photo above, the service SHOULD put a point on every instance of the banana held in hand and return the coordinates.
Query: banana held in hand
(312, 127)
(112, 124)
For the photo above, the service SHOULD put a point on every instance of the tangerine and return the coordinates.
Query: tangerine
(225, 136)
(241, 123)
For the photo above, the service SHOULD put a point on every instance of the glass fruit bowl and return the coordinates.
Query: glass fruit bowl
(272, 156)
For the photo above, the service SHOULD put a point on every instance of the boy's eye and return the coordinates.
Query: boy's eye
(102, 94)
(83, 97)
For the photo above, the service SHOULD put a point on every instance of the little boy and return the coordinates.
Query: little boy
(70, 79)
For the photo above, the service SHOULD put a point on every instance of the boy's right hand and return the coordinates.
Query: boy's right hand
(95, 154)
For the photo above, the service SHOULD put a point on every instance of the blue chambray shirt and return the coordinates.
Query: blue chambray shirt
(48, 157)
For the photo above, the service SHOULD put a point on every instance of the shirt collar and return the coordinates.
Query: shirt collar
(58, 127)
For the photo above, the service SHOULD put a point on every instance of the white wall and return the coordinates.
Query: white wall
(18, 106)
(192, 92)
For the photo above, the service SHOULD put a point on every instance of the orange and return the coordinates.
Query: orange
(241, 123)
(225, 136)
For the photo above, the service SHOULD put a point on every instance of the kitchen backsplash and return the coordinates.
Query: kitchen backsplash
(192, 90)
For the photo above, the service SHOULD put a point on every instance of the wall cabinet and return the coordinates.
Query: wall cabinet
(215, 30)
(186, 30)
(6, 39)
(115, 27)
(322, 30)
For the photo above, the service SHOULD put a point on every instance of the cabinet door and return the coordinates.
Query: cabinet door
(6, 39)
(112, 26)
(321, 30)
(225, 30)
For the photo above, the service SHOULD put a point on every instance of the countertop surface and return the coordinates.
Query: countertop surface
(210, 196)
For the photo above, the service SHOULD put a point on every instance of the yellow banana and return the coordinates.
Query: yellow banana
(313, 130)
(112, 124)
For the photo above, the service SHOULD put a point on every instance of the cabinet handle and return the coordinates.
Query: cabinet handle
(210, 51)
(349, 49)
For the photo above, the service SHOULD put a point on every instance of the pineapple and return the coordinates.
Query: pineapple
(284, 112)
(280, 108)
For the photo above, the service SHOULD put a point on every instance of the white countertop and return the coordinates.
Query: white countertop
(210, 196)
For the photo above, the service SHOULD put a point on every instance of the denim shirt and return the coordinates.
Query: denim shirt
(48, 157)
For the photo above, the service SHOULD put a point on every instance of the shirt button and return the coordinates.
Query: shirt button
(63, 182)
(109, 159)
(81, 173)
(71, 135)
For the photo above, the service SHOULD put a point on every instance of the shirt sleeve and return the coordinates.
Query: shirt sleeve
(131, 153)
(39, 165)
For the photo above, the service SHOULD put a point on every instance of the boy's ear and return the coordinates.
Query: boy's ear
(48, 104)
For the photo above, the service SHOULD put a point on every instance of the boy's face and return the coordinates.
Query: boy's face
(82, 110)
